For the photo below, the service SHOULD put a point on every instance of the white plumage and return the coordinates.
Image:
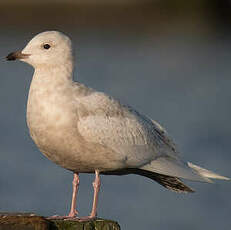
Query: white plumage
(86, 131)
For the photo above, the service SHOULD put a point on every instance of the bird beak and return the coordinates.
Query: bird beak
(16, 55)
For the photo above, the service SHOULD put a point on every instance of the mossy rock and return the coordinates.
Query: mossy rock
(25, 221)
(98, 224)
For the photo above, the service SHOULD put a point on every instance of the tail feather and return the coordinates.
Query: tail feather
(167, 172)
(175, 168)
(169, 182)
(206, 173)
(180, 169)
(172, 183)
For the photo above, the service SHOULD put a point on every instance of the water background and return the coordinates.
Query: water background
(172, 63)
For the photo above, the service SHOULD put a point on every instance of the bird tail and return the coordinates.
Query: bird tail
(172, 183)
(167, 172)
(179, 169)
(169, 182)
(206, 173)
(175, 184)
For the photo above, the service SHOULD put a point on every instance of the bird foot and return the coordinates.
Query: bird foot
(72, 218)
(86, 218)
(73, 213)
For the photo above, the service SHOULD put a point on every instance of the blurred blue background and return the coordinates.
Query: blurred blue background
(171, 60)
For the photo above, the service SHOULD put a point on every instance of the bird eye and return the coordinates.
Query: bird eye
(46, 46)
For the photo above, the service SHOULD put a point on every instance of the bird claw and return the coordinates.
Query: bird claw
(84, 218)
(73, 214)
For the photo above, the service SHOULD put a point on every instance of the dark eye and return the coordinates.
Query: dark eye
(46, 46)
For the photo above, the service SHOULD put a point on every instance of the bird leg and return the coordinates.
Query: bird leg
(73, 212)
(96, 186)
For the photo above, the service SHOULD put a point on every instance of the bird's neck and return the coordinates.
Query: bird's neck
(54, 74)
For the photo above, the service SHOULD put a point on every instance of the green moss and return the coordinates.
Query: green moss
(23, 222)
(31, 222)
(98, 224)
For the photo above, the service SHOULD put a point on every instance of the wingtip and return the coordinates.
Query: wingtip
(223, 178)
(207, 173)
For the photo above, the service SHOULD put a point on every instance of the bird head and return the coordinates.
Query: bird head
(49, 49)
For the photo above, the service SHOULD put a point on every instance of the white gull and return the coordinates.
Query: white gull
(86, 131)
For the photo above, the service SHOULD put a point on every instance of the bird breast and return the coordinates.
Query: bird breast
(52, 122)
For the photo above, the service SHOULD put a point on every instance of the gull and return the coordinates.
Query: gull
(86, 131)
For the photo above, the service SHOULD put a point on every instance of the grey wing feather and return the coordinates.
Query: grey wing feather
(134, 137)
(173, 167)
(135, 140)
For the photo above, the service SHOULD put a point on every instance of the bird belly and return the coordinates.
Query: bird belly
(59, 140)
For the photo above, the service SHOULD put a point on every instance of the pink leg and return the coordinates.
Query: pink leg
(73, 212)
(96, 185)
